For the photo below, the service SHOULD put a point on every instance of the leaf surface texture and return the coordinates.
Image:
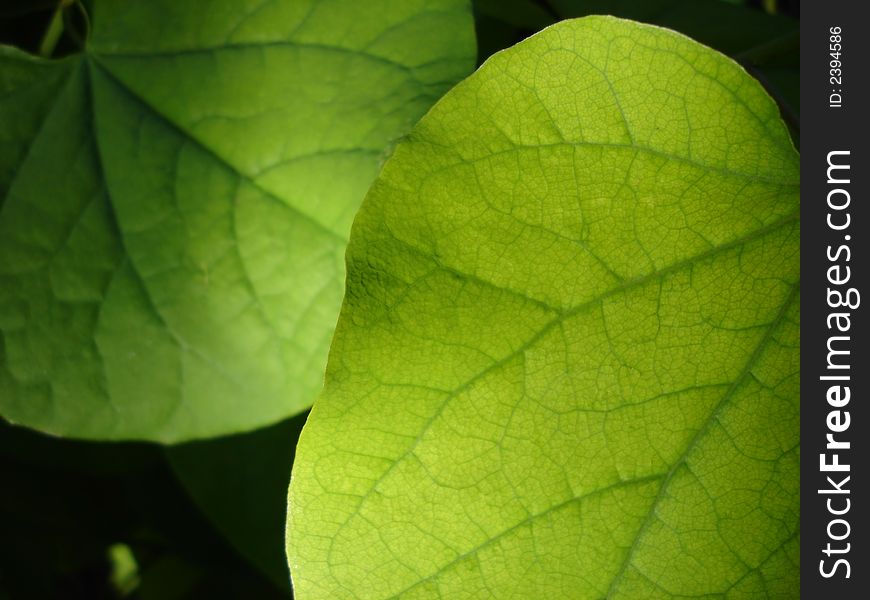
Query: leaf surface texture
(567, 362)
(176, 202)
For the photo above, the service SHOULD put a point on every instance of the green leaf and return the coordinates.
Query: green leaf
(567, 361)
(176, 202)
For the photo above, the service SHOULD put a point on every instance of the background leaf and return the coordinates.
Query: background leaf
(240, 483)
(567, 361)
(176, 202)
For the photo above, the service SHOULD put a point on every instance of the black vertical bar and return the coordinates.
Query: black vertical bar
(835, 226)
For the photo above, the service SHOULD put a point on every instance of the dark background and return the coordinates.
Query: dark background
(206, 519)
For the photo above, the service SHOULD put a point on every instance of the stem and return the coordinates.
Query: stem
(79, 38)
(55, 29)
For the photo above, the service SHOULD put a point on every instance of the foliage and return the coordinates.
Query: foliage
(571, 328)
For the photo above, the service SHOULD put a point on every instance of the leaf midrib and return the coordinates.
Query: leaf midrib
(61, 90)
(106, 70)
(183, 345)
(794, 293)
(259, 46)
(515, 147)
(506, 532)
(665, 478)
(556, 321)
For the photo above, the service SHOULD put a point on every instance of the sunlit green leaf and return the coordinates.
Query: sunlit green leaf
(176, 202)
(567, 361)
